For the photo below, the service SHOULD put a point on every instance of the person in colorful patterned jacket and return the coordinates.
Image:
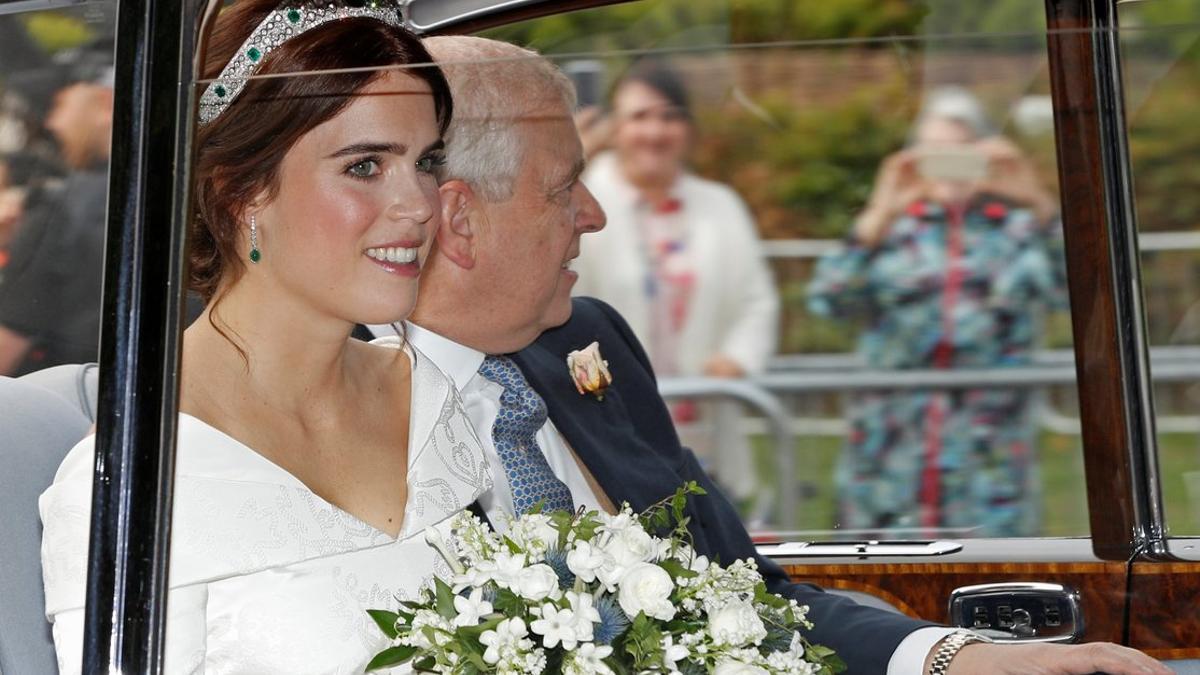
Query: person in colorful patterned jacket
(950, 266)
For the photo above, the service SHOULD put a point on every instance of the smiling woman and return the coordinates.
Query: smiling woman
(293, 462)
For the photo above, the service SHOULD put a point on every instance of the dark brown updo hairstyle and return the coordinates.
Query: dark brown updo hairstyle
(239, 153)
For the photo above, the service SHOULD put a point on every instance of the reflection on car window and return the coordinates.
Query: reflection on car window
(1161, 59)
(855, 213)
(56, 84)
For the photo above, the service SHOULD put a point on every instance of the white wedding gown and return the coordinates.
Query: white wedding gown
(265, 576)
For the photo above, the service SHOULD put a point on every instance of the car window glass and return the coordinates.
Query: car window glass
(894, 167)
(56, 80)
(1161, 58)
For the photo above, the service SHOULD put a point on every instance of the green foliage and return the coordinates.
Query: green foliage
(666, 516)
(1164, 142)
(809, 169)
(643, 642)
(55, 31)
(445, 599)
(1144, 21)
(509, 603)
(390, 657)
(385, 620)
(830, 662)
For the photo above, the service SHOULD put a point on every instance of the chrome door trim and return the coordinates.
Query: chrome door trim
(20, 6)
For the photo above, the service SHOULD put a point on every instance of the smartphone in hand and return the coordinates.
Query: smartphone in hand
(956, 163)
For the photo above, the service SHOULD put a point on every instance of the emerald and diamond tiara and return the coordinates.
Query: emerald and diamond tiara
(278, 27)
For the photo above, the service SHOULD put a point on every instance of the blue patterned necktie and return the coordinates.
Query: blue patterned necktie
(522, 414)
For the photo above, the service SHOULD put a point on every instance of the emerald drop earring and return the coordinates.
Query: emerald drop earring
(255, 254)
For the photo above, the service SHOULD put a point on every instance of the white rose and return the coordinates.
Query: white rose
(610, 574)
(736, 624)
(647, 588)
(732, 667)
(630, 546)
(536, 582)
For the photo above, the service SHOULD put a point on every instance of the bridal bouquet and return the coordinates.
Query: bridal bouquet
(593, 593)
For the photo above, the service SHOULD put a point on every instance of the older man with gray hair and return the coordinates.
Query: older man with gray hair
(495, 313)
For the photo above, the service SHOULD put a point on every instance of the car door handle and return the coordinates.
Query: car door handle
(858, 549)
(1019, 611)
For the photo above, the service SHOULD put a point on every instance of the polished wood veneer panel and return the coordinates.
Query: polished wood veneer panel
(922, 590)
(1164, 609)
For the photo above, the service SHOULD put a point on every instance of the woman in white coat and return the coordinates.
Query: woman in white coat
(680, 259)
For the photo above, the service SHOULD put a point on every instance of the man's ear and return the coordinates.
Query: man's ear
(456, 236)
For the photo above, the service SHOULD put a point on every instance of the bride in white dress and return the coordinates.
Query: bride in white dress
(309, 464)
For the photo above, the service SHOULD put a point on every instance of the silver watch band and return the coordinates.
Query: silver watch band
(950, 646)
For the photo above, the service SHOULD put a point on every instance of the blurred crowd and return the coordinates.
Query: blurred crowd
(952, 262)
(55, 140)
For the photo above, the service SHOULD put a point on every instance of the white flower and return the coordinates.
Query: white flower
(537, 582)
(586, 615)
(588, 659)
(630, 546)
(736, 624)
(434, 539)
(471, 608)
(555, 626)
(619, 522)
(585, 560)
(533, 532)
(428, 618)
(507, 636)
(505, 569)
(673, 653)
(474, 577)
(734, 667)
(790, 663)
(647, 588)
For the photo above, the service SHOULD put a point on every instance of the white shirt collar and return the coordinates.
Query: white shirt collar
(459, 362)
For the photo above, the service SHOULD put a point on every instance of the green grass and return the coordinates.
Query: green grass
(1064, 496)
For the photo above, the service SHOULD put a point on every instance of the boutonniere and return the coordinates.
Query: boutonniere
(589, 371)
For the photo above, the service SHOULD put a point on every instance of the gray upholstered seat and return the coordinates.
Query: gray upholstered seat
(75, 382)
(37, 428)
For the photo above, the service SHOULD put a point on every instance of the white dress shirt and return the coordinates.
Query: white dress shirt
(481, 399)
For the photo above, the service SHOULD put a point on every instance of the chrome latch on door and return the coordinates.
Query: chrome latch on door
(1019, 612)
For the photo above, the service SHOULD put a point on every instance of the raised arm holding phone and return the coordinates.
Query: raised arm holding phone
(950, 265)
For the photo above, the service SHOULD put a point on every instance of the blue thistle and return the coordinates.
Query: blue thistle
(556, 558)
(613, 621)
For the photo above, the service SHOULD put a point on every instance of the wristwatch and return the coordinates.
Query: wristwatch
(950, 646)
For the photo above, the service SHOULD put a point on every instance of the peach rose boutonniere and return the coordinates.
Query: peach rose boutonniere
(589, 370)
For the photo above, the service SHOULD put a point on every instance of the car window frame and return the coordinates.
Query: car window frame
(143, 294)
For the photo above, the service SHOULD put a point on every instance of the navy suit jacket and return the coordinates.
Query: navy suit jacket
(629, 444)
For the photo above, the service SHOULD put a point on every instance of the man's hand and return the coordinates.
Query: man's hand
(1053, 659)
